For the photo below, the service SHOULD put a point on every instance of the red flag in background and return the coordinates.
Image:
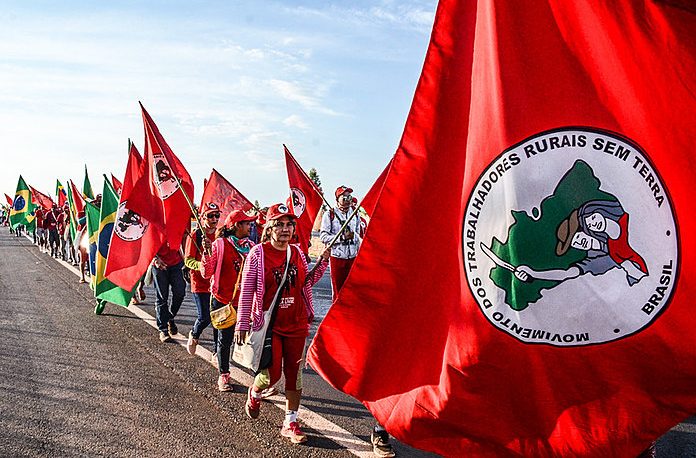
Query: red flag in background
(136, 237)
(77, 199)
(118, 186)
(305, 199)
(370, 200)
(500, 306)
(220, 191)
(168, 178)
(41, 199)
(9, 200)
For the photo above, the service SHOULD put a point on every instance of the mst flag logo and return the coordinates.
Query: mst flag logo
(299, 201)
(129, 225)
(570, 239)
(163, 177)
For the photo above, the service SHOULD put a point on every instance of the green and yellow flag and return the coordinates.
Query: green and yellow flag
(92, 214)
(22, 211)
(104, 289)
(87, 187)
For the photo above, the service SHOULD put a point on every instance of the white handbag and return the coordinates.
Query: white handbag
(249, 353)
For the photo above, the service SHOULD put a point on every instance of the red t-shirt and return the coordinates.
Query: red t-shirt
(168, 256)
(291, 315)
(229, 272)
(198, 283)
(51, 221)
(38, 214)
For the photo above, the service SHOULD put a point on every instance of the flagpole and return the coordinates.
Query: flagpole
(331, 243)
(193, 210)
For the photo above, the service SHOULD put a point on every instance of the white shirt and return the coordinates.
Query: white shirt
(343, 249)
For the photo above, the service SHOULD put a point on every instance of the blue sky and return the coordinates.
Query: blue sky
(226, 82)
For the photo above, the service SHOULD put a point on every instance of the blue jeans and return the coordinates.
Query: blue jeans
(171, 277)
(202, 301)
(224, 341)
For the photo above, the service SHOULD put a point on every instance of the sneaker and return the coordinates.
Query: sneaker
(293, 432)
(173, 330)
(381, 445)
(191, 344)
(164, 337)
(252, 407)
(268, 392)
(225, 383)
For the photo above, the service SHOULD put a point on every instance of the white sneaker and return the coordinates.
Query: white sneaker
(191, 344)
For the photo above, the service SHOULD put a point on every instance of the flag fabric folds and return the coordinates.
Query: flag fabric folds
(41, 199)
(9, 200)
(117, 185)
(370, 200)
(305, 199)
(87, 187)
(103, 288)
(135, 238)
(499, 305)
(168, 181)
(92, 221)
(61, 195)
(220, 191)
(22, 211)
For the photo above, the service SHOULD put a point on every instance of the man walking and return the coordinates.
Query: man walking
(167, 274)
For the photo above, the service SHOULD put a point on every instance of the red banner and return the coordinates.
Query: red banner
(221, 192)
(9, 200)
(305, 199)
(77, 199)
(370, 200)
(168, 181)
(117, 185)
(505, 304)
(136, 237)
(41, 199)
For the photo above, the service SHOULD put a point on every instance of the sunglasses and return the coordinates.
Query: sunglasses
(212, 216)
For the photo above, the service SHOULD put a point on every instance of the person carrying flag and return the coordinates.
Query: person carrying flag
(222, 263)
(346, 248)
(200, 286)
(167, 274)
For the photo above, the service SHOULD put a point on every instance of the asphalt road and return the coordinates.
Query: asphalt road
(76, 384)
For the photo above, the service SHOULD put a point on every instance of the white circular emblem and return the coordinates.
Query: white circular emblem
(298, 201)
(129, 226)
(569, 239)
(163, 177)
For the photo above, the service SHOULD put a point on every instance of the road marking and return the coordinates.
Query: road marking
(313, 420)
(685, 428)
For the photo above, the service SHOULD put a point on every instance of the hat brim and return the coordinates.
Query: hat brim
(565, 232)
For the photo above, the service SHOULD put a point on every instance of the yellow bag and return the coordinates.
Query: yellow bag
(226, 316)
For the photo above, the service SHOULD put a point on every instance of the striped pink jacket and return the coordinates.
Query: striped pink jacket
(250, 310)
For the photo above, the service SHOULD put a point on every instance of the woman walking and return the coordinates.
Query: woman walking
(224, 266)
(201, 239)
(266, 271)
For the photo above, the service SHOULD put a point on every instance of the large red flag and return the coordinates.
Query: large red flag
(305, 199)
(135, 239)
(221, 192)
(370, 200)
(41, 199)
(499, 306)
(169, 180)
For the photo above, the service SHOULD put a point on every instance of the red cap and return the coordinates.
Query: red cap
(278, 211)
(209, 207)
(341, 189)
(237, 216)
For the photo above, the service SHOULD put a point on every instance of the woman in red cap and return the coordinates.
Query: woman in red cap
(294, 310)
(224, 266)
(200, 287)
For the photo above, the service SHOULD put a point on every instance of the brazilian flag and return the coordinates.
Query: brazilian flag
(22, 211)
(87, 187)
(73, 213)
(92, 214)
(104, 290)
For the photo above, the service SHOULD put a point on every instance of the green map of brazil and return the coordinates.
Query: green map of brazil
(531, 239)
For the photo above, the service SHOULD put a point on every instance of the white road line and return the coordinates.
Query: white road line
(685, 428)
(313, 420)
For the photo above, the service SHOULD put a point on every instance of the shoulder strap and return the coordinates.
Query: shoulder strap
(282, 282)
